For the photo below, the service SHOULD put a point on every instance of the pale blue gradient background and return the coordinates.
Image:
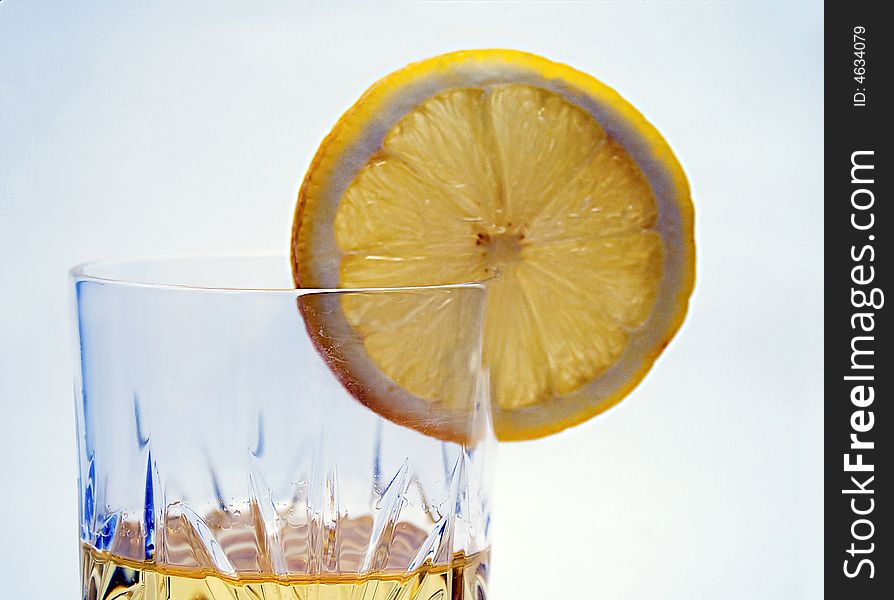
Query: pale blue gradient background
(144, 128)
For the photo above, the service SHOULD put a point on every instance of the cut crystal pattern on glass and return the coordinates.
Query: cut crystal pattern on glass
(216, 442)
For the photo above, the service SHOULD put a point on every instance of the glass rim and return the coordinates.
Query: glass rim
(82, 272)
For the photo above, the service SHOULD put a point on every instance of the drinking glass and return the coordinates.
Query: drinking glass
(232, 442)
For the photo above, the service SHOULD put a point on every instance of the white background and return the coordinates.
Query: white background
(145, 128)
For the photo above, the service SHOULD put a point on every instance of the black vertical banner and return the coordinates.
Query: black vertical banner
(859, 377)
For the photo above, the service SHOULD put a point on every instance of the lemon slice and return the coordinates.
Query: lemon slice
(502, 166)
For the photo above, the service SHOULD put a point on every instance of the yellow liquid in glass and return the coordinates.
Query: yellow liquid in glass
(105, 576)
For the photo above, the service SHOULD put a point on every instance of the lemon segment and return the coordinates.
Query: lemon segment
(541, 141)
(386, 325)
